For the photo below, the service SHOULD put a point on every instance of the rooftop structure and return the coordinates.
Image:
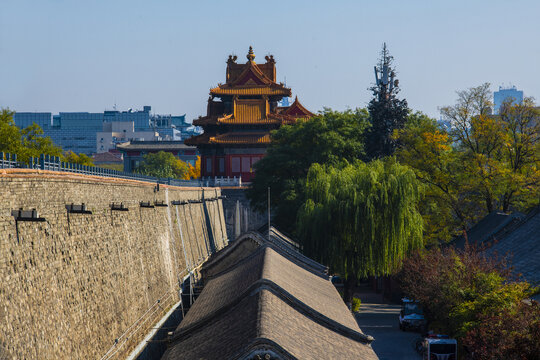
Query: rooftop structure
(263, 299)
(240, 115)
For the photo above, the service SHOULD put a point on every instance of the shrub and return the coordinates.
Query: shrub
(356, 302)
(468, 296)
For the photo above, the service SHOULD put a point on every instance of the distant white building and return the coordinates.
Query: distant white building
(505, 94)
(120, 132)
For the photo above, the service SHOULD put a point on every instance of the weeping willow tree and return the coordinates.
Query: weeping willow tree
(361, 219)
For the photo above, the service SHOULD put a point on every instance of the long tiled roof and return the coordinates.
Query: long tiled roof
(265, 323)
(247, 243)
(266, 302)
(522, 246)
(488, 228)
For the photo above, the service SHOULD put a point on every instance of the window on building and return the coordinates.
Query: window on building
(208, 166)
(235, 164)
(221, 165)
(246, 164)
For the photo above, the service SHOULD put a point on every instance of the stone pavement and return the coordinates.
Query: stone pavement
(380, 320)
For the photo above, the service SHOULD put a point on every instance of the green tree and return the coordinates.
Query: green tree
(428, 150)
(10, 135)
(34, 143)
(361, 219)
(386, 112)
(328, 138)
(518, 327)
(26, 142)
(81, 159)
(458, 288)
(163, 165)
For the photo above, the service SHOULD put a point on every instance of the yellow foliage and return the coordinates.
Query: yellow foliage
(194, 171)
(436, 140)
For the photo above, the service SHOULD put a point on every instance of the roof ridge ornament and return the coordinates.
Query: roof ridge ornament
(250, 56)
(232, 59)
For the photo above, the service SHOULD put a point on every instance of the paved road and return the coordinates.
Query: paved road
(381, 322)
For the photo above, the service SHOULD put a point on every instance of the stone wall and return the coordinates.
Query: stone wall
(79, 286)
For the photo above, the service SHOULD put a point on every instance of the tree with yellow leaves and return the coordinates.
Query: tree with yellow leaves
(194, 172)
(499, 152)
(484, 163)
(427, 149)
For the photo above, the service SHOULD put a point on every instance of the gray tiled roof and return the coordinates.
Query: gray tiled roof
(245, 244)
(268, 299)
(521, 245)
(492, 225)
(264, 321)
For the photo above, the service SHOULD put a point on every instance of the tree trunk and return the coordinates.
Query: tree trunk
(507, 200)
(489, 202)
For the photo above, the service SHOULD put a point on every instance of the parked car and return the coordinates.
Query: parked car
(411, 316)
(439, 347)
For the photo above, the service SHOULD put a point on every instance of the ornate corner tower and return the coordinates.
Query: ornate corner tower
(240, 115)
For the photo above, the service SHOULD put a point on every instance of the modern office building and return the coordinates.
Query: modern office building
(25, 119)
(505, 94)
(78, 131)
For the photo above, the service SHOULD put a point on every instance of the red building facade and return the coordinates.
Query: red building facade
(240, 115)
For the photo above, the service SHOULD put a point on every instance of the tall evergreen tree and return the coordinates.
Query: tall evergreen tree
(387, 112)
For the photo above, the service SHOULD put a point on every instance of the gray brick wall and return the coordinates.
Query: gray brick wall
(73, 284)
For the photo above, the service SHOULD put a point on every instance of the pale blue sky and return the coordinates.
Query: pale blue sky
(60, 55)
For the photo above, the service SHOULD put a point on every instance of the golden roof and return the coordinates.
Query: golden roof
(238, 138)
(297, 110)
(251, 90)
(232, 138)
(251, 78)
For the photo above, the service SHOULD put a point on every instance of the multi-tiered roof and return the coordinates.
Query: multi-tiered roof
(245, 109)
